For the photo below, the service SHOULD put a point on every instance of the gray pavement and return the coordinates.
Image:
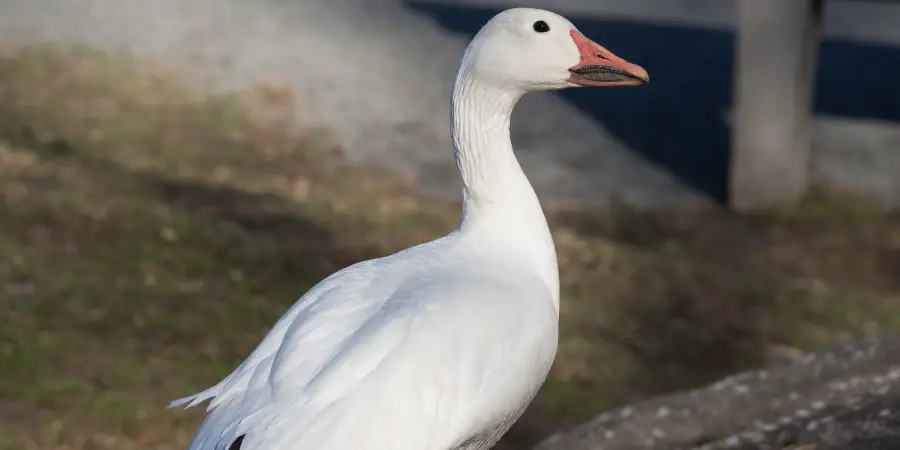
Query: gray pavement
(378, 72)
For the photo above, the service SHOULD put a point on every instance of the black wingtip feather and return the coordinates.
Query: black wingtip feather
(236, 445)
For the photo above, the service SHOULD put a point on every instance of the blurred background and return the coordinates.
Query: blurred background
(174, 174)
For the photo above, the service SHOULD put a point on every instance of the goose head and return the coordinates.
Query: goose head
(534, 50)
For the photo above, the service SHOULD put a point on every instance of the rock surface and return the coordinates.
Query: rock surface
(846, 398)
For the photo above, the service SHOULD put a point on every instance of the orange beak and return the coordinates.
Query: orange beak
(600, 67)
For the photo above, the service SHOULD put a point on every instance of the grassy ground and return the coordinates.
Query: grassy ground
(149, 238)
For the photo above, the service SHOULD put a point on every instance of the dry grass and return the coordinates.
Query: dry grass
(149, 238)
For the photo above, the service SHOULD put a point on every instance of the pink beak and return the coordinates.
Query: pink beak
(600, 67)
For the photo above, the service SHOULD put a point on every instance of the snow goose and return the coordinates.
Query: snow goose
(440, 346)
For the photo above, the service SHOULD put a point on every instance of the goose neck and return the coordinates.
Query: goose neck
(500, 207)
(480, 120)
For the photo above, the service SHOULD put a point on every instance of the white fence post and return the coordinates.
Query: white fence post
(776, 50)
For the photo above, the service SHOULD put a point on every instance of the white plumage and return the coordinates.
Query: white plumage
(440, 346)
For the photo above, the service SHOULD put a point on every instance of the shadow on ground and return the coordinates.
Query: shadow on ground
(678, 121)
(190, 228)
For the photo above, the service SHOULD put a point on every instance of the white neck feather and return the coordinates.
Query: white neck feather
(500, 206)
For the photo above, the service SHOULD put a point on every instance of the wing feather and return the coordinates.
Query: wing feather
(437, 353)
(318, 324)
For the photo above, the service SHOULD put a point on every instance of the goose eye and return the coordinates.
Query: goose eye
(541, 27)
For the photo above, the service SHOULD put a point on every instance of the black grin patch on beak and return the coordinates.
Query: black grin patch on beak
(605, 74)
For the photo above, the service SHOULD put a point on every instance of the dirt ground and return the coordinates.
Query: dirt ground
(149, 237)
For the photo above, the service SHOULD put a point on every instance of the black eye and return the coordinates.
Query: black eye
(541, 27)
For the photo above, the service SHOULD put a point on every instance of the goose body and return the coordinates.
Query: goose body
(440, 346)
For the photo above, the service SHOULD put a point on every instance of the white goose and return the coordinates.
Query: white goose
(440, 346)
